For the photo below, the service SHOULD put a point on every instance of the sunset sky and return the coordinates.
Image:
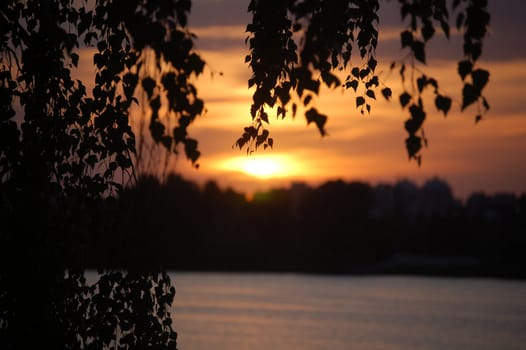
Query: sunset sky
(489, 156)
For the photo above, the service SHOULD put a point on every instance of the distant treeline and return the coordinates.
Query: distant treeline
(337, 227)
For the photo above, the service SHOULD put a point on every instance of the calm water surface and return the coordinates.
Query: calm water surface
(216, 311)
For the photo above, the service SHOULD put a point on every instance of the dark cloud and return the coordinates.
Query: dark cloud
(219, 44)
(506, 39)
(219, 13)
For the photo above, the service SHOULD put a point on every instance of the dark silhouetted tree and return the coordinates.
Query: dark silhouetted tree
(64, 150)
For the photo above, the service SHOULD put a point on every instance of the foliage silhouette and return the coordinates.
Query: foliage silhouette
(297, 46)
(66, 152)
(63, 150)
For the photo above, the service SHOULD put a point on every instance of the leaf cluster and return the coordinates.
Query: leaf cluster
(285, 71)
(122, 310)
(472, 19)
(296, 46)
(74, 140)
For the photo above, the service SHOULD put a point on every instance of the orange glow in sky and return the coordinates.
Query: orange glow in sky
(262, 166)
(489, 156)
(485, 157)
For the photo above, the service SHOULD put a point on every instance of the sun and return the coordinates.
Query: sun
(261, 166)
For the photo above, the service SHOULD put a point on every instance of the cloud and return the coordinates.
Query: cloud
(487, 156)
(206, 13)
(504, 42)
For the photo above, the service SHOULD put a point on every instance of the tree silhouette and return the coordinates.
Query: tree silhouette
(65, 152)
(297, 46)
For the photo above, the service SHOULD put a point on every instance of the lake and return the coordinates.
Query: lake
(243, 311)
